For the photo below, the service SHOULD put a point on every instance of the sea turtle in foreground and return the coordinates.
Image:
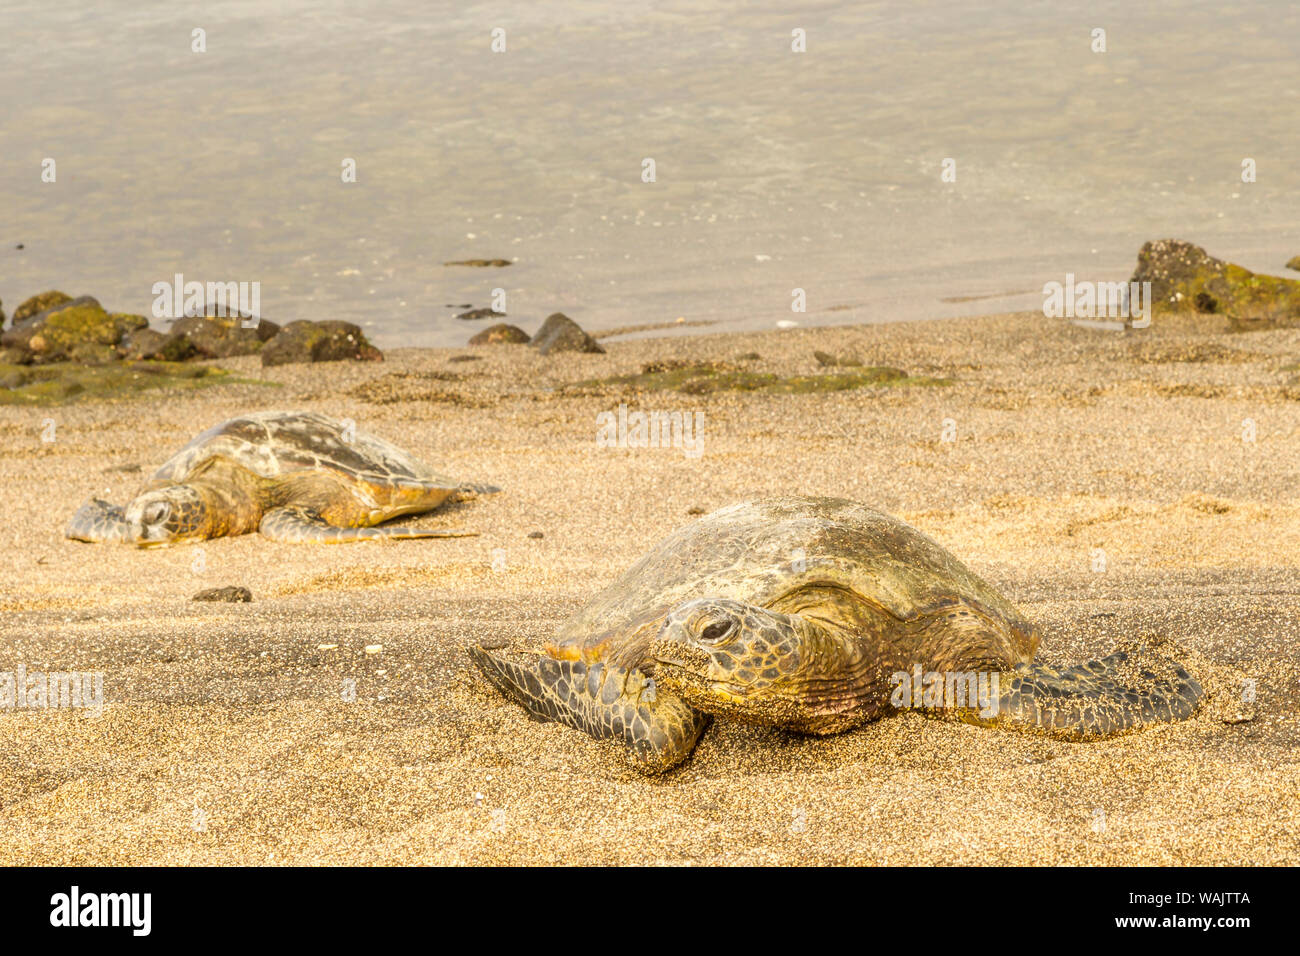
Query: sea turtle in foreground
(293, 476)
(816, 615)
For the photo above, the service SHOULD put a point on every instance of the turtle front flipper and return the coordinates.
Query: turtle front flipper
(1126, 691)
(305, 526)
(607, 702)
(97, 521)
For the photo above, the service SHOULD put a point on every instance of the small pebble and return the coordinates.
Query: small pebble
(374, 648)
(232, 594)
(536, 534)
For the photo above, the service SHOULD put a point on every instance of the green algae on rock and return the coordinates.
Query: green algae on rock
(39, 303)
(75, 330)
(56, 384)
(129, 322)
(702, 378)
(1185, 278)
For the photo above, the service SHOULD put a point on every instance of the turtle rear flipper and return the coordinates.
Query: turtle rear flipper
(1128, 690)
(305, 526)
(97, 521)
(607, 702)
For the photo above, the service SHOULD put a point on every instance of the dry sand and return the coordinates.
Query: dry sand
(226, 738)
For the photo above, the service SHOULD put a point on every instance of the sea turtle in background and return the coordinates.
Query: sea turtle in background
(293, 476)
(816, 615)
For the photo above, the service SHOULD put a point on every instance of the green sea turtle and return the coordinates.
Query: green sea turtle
(293, 476)
(816, 615)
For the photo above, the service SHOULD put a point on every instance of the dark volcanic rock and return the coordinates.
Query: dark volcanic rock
(500, 334)
(128, 322)
(559, 333)
(327, 341)
(1186, 278)
(213, 336)
(147, 343)
(481, 263)
(473, 314)
(232, 594)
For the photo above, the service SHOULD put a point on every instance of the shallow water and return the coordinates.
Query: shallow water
(775, 170)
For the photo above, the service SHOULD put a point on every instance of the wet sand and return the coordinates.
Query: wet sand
(226, 737)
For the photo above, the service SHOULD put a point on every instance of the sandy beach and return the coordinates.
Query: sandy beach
(1113, 485)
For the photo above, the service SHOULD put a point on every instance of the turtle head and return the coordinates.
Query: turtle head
(166, 515)
(737, 660)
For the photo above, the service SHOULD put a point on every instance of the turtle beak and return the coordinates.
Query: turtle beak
(677, 653)
(146, 526)
(687, 671)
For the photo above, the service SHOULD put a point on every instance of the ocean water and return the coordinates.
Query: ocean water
(775, 170)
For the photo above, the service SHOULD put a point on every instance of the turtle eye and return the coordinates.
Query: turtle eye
(155, 513)
(716, 631)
